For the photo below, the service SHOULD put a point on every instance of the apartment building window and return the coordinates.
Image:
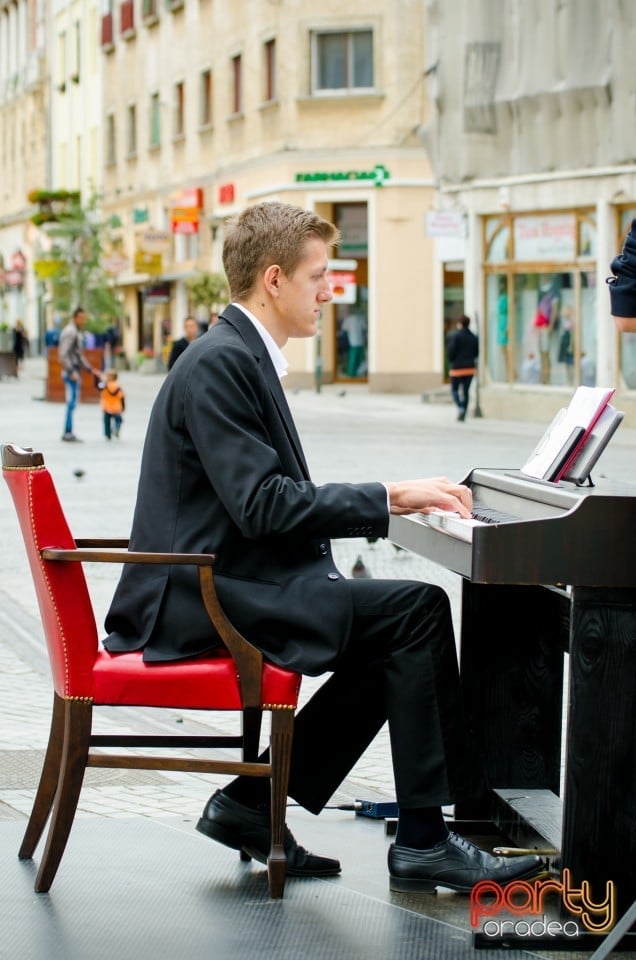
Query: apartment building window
(205, 102)
(269, 51)
(179, 110)
(237, 91)
(127, 19)
(155, 122)
(342, 61)
(61, 61)
(106, 31)
(76, 52)
(111, 147)
(150, 11)
(131, 130)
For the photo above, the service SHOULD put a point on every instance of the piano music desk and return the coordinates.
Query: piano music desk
(561, 579)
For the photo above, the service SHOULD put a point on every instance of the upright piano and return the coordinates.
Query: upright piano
(547, 569)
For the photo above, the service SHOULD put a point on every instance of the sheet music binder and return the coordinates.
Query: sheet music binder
(601, 434)
(568, 433)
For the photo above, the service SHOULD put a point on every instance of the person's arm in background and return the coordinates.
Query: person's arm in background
(622, 285)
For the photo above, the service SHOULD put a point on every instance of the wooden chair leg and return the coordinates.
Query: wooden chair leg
(280, 748)
(77, 731)
(47, 786)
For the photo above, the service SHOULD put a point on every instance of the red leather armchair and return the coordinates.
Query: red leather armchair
(86, 676)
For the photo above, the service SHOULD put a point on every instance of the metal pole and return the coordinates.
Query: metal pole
(477, 410)
(318, 366)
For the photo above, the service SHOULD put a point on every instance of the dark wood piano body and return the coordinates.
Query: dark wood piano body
(560, 579)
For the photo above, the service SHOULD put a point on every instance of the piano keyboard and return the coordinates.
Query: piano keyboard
(491, 515)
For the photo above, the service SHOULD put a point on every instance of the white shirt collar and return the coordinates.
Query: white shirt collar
(276, 354)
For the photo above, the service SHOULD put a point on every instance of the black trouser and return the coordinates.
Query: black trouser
(460, 387)
(400, 665)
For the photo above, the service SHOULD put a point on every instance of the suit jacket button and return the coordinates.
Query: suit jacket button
(333, 576)
(323, 549)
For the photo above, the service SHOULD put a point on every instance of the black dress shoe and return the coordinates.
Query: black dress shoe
(457, 864)
(245, 829)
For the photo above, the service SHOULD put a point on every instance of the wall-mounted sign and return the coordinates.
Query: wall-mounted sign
(154, 241)
(445, 223)
(343, 286)
(45, 269)
(184, 219)
(377, 176)
(185, 212)
(151, 263)
(226, 193)
(115, 264)
(158, 293)
(549, 237)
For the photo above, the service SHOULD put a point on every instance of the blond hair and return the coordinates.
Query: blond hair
(269, 233)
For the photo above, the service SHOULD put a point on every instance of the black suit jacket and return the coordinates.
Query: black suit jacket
(223, 471)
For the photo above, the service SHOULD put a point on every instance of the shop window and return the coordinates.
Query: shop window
(497, 240)
(342, 62)
(540, 319)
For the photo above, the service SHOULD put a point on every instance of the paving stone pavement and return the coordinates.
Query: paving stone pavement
(348, 433)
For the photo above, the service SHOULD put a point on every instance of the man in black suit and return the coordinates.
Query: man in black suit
(223, 472)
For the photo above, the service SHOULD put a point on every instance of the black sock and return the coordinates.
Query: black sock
(421, 828)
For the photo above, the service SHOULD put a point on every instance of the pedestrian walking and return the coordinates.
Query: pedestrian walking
(463, 350)
(20, 344)
(73, 361)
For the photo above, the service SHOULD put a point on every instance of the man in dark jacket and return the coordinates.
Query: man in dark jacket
(223, 472)
(191, 331)
(463, 350)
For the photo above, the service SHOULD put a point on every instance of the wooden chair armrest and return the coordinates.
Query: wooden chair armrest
(248, 659)
(126, 556)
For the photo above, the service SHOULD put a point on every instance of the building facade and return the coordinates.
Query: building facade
(533, 147)
(24, 156)
(209, 107)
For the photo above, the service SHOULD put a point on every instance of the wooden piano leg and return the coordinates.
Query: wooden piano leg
(511, 668)
(599, 820)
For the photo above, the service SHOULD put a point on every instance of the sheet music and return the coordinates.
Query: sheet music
(567, 433)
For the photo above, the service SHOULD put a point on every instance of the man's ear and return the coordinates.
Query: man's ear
(271, 279)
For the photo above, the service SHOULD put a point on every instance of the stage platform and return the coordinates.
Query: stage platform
(133, 889)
